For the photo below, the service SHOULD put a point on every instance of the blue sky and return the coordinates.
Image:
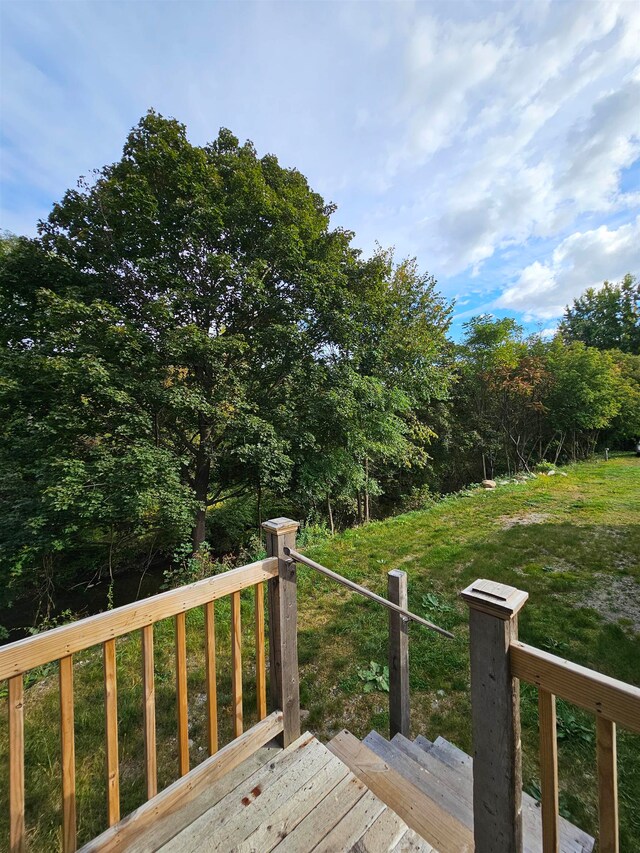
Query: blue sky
(499, 143)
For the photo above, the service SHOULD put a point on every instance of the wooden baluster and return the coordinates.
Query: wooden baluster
(111, 728)
(68, 749)
(210, 665)
(149, 712)
(17, 843)
(261, 669)
(607, 786)
(181, 694)
(548, 770)
(236, 663)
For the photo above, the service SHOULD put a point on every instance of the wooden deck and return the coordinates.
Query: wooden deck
(299, 799)
(371, 796)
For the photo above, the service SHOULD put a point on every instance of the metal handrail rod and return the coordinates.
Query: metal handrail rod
(299, 558)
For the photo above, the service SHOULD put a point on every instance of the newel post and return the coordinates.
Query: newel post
(495, 714)
(284, 688)
(399, 716)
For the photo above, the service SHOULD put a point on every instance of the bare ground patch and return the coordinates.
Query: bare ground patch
(614, 598)
(523, 518)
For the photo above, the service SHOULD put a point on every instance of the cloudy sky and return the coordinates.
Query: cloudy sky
(499, 143)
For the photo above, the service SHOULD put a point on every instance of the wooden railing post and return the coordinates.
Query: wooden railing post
(495, 714)
(284, 686)
(399, 716)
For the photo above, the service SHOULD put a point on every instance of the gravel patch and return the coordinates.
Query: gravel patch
(614, 598)
(507, 521)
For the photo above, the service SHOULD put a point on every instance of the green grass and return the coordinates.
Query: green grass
(581, 555)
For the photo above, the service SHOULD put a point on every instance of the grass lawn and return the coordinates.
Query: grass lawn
(573, 542)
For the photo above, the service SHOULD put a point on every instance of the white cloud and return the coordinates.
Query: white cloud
(585, 259)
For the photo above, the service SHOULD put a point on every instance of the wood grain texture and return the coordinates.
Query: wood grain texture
(399, 709)
(23, 655)
(254, 801)
(607, 786)
(495, 718)
(68, 755)
(149, 712)
(210, 676)
(283, 820)
(417, 810)
(132, 828)
(454, 770)
(17, 839)
(261, 670)
(182, 705)
(111, 732)
(236, 663)
(353, 825)
(321, 820)
(603, 696)
(283, 631)
(548, 771)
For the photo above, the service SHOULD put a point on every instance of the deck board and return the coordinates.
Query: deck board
(285, 819)
(321, 820)
(301, 799)
(352, 826)
(245, 807)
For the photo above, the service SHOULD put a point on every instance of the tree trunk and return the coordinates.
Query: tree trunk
(359, 499)
(203, 468)
(331, 525)
(366, 490)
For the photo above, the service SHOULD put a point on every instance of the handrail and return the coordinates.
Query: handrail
(355, 587)
(602, 695)
(23, 655)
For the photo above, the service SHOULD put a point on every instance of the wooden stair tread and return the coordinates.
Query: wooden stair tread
(436, 787)
(455, 769)
(419, 811)
(387, 833)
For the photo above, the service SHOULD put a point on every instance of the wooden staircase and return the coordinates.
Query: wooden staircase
(430, 786)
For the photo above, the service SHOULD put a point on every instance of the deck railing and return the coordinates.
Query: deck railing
(60, 644)
(498, 662)
(398, 647)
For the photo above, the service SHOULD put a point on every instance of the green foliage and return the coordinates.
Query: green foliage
(176, 310)
(190, 343)
(571, 727)
(434, 604)
(606, 318)
(376, 677)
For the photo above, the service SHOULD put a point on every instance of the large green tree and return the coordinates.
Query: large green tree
(606, 318)
(189, 328)
(226, 265)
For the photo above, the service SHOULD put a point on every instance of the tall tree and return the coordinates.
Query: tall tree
(606, 318)
(226, 265)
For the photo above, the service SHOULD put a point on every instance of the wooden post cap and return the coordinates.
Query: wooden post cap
(279, 526)
(496, 599)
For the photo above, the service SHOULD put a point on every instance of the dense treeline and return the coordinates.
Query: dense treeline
(189, 345)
